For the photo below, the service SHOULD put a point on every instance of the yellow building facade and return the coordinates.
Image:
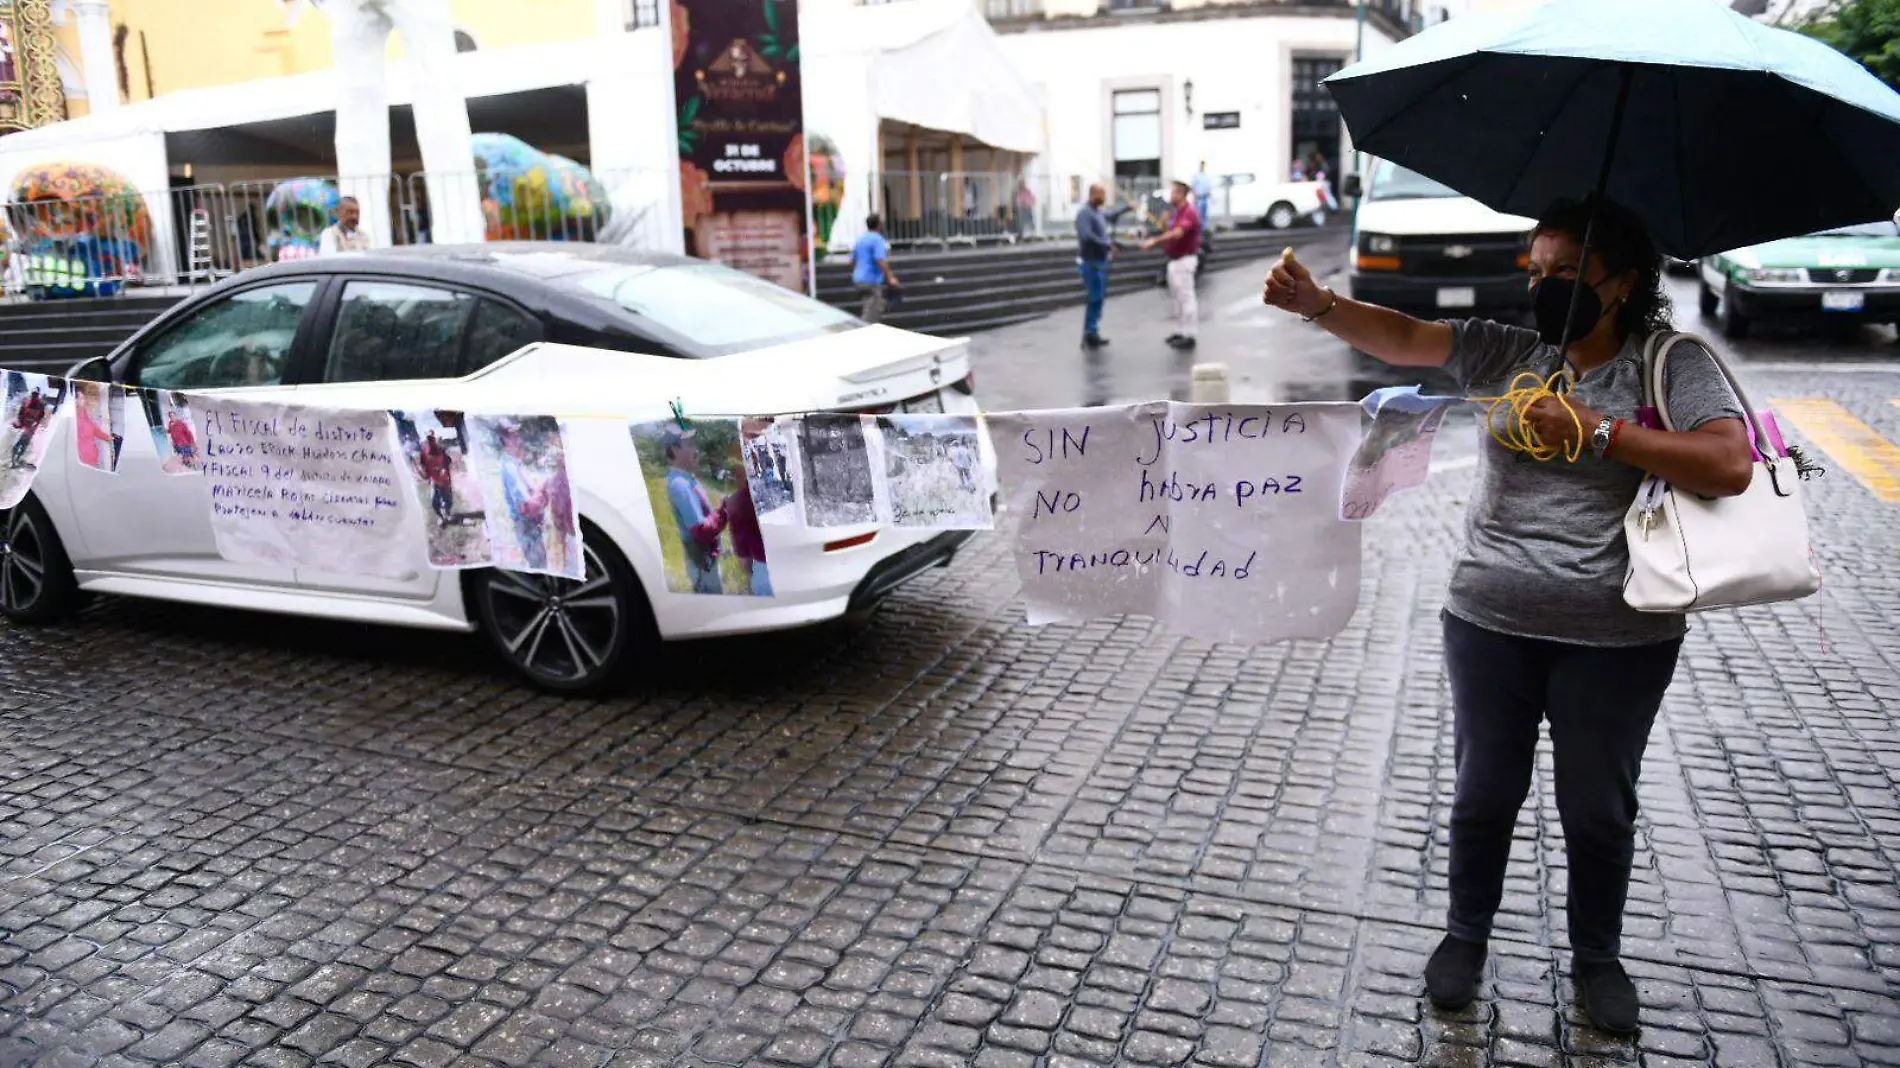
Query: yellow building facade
(160, 46)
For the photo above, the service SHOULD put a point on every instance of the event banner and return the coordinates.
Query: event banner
(743, 182)
(1222, 521)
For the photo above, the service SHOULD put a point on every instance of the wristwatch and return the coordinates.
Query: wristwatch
(1600, 439)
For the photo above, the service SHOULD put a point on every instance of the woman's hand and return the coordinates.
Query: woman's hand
(1290, 287)
(1561, 424)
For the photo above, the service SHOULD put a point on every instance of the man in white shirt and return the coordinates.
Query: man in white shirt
(345, 236)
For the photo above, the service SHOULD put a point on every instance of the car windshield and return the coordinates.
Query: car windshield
(714, 310)
(1873, 229)
(1393, 182)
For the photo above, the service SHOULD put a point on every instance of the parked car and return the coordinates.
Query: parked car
(1840, 278)
(589, 333)
(1420, 247)
(1278, 205)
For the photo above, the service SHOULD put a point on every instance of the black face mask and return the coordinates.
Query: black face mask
(1550, 300)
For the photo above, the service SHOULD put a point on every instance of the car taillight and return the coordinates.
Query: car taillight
(966, 385)
(850, 543)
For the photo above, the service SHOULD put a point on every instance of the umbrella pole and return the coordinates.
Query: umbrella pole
(1589, 228)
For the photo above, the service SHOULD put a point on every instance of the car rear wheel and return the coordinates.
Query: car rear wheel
(1281, 215)
(36, 578)
(1707, 299)
(563, 635)
(1734, 323)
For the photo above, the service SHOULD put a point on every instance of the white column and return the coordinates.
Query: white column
(94, 20)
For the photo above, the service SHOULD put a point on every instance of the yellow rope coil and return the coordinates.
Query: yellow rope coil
(1518, 435)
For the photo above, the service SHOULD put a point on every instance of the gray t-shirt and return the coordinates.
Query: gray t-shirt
(1544, 552)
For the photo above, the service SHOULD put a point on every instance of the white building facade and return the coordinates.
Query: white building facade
(1142, 94)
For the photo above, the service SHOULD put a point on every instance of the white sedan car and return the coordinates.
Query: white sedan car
(591, 334)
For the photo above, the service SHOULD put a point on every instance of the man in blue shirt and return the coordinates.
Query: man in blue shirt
(697, 521)
(1095, 250)
(871, 268)
(1203, 191)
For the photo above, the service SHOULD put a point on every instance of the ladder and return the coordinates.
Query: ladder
(200, 261)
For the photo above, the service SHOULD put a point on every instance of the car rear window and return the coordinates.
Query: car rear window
(1393, 182)
(713, 310)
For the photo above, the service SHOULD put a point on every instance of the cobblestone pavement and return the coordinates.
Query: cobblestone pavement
(945, 838)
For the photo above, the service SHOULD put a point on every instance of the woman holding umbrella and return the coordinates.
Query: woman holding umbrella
(1619, 102)
(1535, 624)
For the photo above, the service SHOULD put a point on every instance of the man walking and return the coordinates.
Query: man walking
(1182, 243)
(871, 268)
(1095, 250)
(345, 236)
(1203, 190)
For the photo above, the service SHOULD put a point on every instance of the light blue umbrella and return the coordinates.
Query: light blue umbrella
(1717, 131)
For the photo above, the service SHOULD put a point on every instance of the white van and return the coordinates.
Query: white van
(1421, 248)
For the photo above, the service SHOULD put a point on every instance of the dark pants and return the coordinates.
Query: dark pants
(1600, 703)
(1095, 287)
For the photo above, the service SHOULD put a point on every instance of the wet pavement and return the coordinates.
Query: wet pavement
(945, 837)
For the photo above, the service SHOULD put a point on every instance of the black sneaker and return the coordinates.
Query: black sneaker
(1452, 975)
(1094, 341)
(1182, 342)
(1608, 995)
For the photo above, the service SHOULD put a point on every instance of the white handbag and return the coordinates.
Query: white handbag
(1691, 554)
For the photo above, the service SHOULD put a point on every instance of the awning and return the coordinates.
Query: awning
(929, 63)
(132, 138)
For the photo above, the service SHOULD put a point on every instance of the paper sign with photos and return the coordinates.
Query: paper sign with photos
(28, 424)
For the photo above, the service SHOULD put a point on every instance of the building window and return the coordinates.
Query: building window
(1012, 9)
(642, 13)
(1135, 5)
(1136, 133)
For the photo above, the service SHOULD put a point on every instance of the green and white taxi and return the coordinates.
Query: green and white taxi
(1842, 277)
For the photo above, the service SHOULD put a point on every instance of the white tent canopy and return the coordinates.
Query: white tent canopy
(131, 139)
(935, 64)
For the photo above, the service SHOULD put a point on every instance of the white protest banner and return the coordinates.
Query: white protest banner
(1396, 452)
(1220, 520)
(305, 487)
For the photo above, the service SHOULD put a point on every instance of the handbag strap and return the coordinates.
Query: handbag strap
(1656, 359)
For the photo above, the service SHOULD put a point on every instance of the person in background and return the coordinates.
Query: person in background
(439, 470)
(525, 502)
(871, 268)
(1298, 173)
(697, 522)
(1182, 243)
(344, 235)
(93, 431)
(32, 413)
(1203, 191)
(1535, 625)
(1095, 251)
(748, 541)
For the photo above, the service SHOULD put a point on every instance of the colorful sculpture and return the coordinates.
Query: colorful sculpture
(827, 185)
(82, 229)
(295, 215)
(529, 195)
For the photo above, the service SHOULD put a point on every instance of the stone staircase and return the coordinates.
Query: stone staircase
(52, 336)
(967, 291)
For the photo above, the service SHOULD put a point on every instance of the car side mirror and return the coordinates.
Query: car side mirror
(96, 369)
(1351, 185)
